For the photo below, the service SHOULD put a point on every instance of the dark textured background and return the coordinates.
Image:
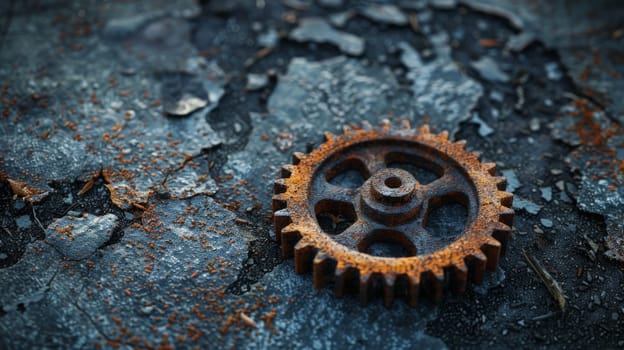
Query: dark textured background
(191, 108)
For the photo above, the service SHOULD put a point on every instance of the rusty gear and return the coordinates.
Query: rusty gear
(391, 206)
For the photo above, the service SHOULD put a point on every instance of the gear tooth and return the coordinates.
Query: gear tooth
(279, 186)
(389, 281)
(506, 216)
(279, 201)
(424, 129)
(304, 255)
(461, 144)
(506, 198)
(502, 233)
(491, 248)
(365, 288)
(297, 157)
(346, 129)
(444, 135)
(501, 182)
(329, 137)
(289, 237)
(322, 266)
(345, 279)
(339, 279)
(433, 286)
(459, 278)
(476, 266)
(413, 290)
(287, 171)
(489, 167)
(476, 154)
(281, 218)
(405, 124)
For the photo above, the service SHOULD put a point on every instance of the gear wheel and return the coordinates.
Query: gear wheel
(391, 206)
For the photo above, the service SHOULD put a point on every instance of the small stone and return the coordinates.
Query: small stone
(615, 316)
(23, 222)
(488, 69)
(556, 171)
(546, 223)
(497, 96)
(319, 31)
(182, 94)
(283, 141)
(484, 129)
(560, 185)
(534, 124)
(388, 14)
(553, 72)
(146, 310)
(512, 180)
(256, 81)
(341, 18)
(546, 193)
(269, 39)
(528, 206)
(238, 127)
(79, 237)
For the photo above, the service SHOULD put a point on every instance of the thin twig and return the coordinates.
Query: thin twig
(551, 284)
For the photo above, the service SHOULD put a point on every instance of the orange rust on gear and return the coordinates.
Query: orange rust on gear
(391, 206)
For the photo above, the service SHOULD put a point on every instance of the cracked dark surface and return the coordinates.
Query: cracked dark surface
(90, 86)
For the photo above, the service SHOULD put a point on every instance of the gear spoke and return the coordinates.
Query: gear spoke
(333, 192)
(446, 185)
(417, 235)
(352, 236)
(375, 163)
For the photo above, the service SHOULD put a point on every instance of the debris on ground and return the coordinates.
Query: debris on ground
(77, 238)
(319, 31)
(551, 284)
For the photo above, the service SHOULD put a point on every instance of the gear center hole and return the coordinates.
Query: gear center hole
(393, 182)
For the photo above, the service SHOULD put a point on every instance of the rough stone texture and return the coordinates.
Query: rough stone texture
(319, 31)
(121, 99)
(86, 85)
(488, 69)
(599, 161)
(311, 98)
(441, 91)
(389, 14)
(311, 312)
(77, 238)
(176, 264)
(595, 25)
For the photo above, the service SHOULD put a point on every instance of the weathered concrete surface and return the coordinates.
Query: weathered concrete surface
(76, 238)
(73, 119)
(89, 86)
(572, 28)
(166, 278)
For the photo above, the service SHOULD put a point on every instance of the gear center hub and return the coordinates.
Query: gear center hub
(390, 196)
